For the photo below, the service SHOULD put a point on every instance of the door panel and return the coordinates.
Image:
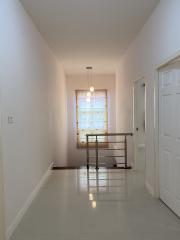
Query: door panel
(177, 177)
(167, 156)
(167, 114)
(177, 107)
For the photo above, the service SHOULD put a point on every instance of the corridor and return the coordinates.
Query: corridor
(111, 204)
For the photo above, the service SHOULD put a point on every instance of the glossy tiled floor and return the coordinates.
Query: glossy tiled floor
(110, 205)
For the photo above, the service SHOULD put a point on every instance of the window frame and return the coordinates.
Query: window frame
(92, 145)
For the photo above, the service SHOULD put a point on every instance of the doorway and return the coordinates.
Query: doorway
(139, 124)
(169, 135)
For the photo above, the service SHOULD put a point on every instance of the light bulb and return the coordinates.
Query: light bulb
(91, 197)
(91, 89)
(88, 94)
(88, 99)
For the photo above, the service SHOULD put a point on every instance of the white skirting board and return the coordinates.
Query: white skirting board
(27, 204)
(150, 189)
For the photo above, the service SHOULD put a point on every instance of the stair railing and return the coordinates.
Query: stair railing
(97, 145)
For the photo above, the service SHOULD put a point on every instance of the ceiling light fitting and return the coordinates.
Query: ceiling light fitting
(90, 83)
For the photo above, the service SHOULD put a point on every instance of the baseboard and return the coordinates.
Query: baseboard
(150, 188)
(85, 167)
(65, 168)
(29, 201)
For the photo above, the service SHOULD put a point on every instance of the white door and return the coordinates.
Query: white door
(169, 136)
(139, 123)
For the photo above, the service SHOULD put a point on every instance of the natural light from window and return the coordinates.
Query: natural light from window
(91, 116)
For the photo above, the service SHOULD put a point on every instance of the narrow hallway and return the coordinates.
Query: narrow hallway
(111, 204)
(90, 83)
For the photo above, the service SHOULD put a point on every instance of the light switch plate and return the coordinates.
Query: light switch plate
(10, 119)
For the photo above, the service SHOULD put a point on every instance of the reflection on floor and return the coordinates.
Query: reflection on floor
(109, 204)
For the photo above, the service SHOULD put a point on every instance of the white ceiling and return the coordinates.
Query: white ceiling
(89, 32)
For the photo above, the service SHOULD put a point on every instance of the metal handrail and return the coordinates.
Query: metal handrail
(109, 134)
(97, 147)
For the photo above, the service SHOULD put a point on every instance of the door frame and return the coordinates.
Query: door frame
(134, 127)
(2, 217)
(2, 205)
(164, 63)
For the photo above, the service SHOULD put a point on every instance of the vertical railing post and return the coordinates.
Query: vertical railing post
(97, 161)
(97, 182)
(125, 147)
(88, 188)
(87, 150)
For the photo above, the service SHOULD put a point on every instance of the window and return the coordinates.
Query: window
(92, 117)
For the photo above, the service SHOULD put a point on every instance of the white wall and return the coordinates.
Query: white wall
(28, 73)
(158, 40)
(77, 157)
(60, 119)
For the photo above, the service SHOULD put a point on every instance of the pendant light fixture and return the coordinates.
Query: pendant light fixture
(88, 94)
(91, 89)
(90, 83)
(91, 80)
(88, 99)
